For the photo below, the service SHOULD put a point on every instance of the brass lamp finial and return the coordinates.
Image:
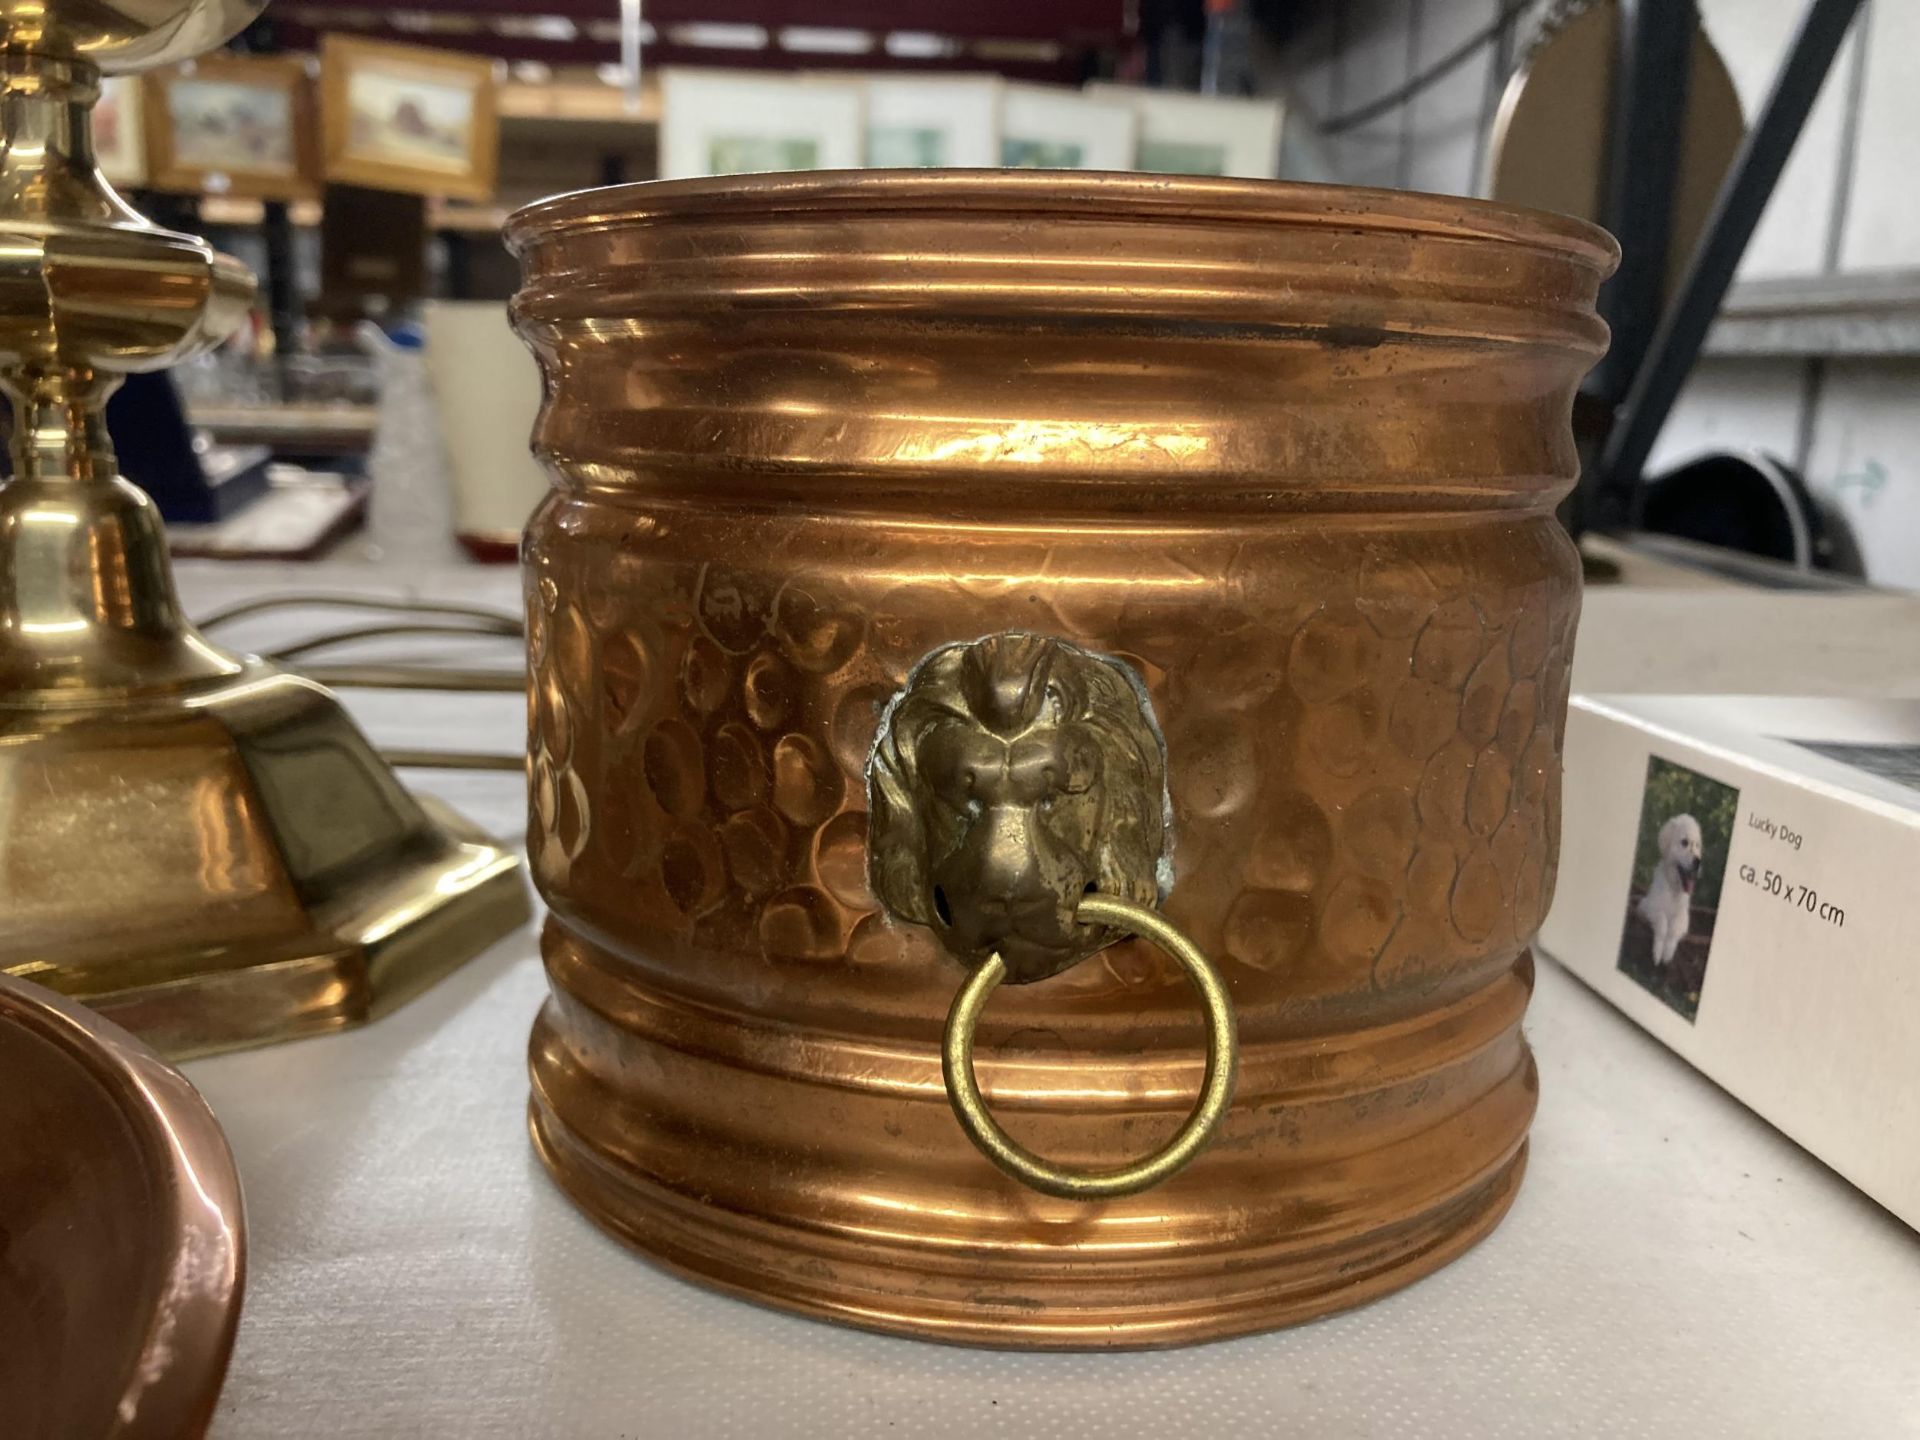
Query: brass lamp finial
(192, 841)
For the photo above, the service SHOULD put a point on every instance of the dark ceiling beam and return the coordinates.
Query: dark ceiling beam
(296, 35)
(1096, 21)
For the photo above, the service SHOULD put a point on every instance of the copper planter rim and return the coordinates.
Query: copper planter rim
(901, 267)
(174, 1313)
(1066, 193)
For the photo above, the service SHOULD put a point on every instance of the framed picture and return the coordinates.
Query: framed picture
(120, 131)
(1200, 134)
(716, 122)
(1042, 128)
(409, 117)
(232, 125)
(933, 120)
(742, 123)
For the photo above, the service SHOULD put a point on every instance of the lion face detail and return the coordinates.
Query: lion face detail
(1011, 775)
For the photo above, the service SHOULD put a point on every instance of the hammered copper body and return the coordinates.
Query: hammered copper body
(122, 1239)
(1289, 452)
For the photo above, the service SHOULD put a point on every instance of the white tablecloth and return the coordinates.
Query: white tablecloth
(1672, 1265)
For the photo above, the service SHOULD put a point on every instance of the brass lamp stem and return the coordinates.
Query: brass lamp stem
(60, 424)
(50, 179)
(89, 289)
(47, 167)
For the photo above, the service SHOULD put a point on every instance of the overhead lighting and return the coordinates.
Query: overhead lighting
(537, 27)
(825, 40)
(426, 22)
(630, 43)
(719, 35)
(919, 45)
(608, 32)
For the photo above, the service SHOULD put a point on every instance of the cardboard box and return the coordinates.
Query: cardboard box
(1774, 941)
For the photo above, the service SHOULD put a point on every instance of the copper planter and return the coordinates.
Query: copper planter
(1281, 460)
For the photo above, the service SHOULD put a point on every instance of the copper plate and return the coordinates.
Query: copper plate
(122, 1238)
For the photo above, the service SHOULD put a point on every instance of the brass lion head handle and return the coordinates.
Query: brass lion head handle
(1018, 802)
(1013, 775)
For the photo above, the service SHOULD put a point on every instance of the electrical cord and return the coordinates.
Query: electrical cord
(388, 675)
(373, 632)
(452, 760)
(494, 622)
(416, 677)
(484, 623)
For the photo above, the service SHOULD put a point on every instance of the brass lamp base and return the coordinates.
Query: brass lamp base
(232, 864)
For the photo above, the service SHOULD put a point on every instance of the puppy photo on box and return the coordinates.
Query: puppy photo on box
(1679, 861)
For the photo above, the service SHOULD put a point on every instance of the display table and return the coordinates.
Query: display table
(1672, 1265)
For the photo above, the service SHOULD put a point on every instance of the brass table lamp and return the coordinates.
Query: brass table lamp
(193, 842)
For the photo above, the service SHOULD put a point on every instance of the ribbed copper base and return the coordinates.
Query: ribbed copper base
(1353, 1165)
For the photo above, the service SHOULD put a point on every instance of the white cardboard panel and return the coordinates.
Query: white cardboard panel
(1752, 37)
(1733, 404)
(1447, 116)
(1865, 458)
(1882, 224)
(1372, 64)
(1307, 64)
(1375, 59)
(1370, 157)
(1443, 160)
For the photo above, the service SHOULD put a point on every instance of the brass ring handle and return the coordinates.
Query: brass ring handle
(1216, 1087)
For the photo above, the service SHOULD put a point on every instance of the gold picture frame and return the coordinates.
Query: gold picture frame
(232, 125)
(409, 117)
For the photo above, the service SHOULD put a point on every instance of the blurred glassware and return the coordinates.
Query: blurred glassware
(333, 378)
(230, 375)
(411, 511)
